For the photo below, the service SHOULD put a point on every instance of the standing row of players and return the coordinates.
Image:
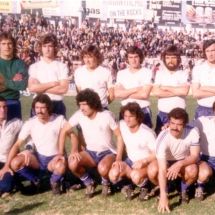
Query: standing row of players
(133, 84)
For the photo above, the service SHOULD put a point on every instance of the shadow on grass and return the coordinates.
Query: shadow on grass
(24, 208)
(210, 187)
(175, 205)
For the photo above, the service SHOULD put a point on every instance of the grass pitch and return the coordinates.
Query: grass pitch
(74, 202)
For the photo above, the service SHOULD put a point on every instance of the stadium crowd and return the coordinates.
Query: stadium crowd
(112, 42)
(113, 66)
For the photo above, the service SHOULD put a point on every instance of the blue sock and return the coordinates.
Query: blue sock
(105, 181)
(55, 178)
(86, 179)
(7, 183)
(29, 174)
(184, 186)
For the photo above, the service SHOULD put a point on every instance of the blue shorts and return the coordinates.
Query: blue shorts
(147, 120)
(203, 111)
(13, 109)
(162, 119)
(58, 108)
(44, 160)
(98, 156)
(129, 162)
(210, 161)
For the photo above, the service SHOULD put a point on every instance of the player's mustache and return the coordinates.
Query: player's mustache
(175, 130)
(40, 113)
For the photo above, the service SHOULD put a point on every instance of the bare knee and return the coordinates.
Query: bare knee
(17, 163)
(135, 177)
(103, 169)
(204, 173)
(60, 167)
(114, 175)
(191, 173)
(73, 165)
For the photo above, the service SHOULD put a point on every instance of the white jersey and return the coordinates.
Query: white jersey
(140, 144)
(97, 132)
(172, 149)
(175, 79)
(44, 135)
(204, 75)
(99, 80)
(8, 134)
(47, 72)
(129, 80)
(206, 126)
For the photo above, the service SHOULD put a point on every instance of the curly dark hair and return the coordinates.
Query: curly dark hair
(135, 109)
(179, 113)
(135, 50)
(91, 97)
(44, 99)
(92, 50)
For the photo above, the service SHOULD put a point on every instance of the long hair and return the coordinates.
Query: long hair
(206, 44)
(49, 38)
(135, 50)
(92, 50)
(91, 97)
(171, 50)
(135, 109)
(44, 99)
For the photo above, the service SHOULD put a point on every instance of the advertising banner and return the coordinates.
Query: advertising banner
(127, 9)
(198, 12)
(6, 6)
(166, 12)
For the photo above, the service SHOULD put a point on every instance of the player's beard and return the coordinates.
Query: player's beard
(171, 67)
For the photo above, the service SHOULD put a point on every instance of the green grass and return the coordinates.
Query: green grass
(75, 202)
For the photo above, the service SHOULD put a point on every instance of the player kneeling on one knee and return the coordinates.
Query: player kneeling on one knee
(139, 141)
(98, 126)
